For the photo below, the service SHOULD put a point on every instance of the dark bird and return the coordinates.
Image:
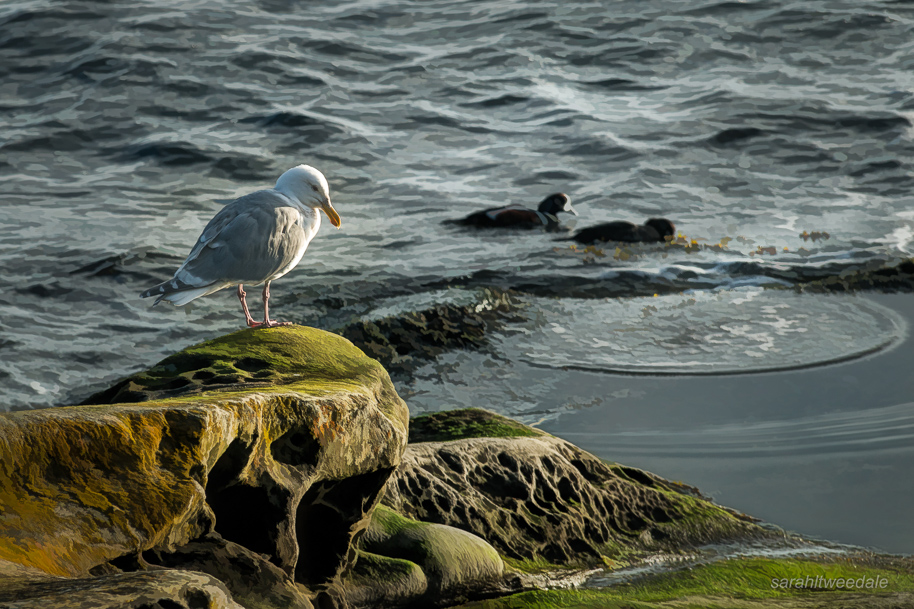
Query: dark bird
(655, 229)
(254, 239)
(518, 216)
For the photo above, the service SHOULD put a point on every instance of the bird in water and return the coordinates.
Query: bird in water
(254, 239)
(518, 216)
(655, 229)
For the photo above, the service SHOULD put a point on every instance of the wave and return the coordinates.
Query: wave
(168, 153)
(873, 430)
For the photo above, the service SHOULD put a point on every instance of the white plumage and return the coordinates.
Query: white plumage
(254, 239)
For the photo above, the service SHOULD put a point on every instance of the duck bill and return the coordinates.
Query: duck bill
(331, 213)
(570, 209)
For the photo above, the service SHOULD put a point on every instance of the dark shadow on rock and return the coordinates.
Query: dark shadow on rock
(253, 580)
(330, 515)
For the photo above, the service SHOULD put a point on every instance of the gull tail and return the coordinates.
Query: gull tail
(178, 292)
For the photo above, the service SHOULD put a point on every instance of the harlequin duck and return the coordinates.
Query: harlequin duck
(655, 229)
(518, 216)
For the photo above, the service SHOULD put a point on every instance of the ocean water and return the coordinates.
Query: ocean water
(125, 126)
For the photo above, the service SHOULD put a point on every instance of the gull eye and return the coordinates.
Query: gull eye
(314, 188)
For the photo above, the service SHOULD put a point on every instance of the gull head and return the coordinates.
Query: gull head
(308, 186)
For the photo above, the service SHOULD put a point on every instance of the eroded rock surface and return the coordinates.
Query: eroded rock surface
(286, 475)
(165, 589)
(542, 500)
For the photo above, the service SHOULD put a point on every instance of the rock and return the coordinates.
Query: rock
(251, 578)
(452, 564)
(466, 423)
(898, 277)
(406, 341)
(544, 503)
(165, 589)
(381, 581)
(284, 464)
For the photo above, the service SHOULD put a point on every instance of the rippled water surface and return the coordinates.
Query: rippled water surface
(125, 127)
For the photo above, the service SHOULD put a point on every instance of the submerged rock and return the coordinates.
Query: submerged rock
(404, 342)
(895, 278)
(264, 487)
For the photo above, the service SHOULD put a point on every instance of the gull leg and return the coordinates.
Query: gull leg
(267, 322)
(244, 305)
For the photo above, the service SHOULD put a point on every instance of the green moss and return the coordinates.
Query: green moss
(752, 578)
(389, 522)
(251, 359)
(373, 570)
(75, 482)
(725, 583)
(466, 423)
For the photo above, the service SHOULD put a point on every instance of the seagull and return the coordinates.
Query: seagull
(254, 239)
(518, 216)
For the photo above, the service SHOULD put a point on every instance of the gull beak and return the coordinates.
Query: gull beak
(331, 213)
(570, 209)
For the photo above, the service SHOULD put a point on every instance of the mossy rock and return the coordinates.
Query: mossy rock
(466, 423)
(454, 563)
(247, 360)
(546, 505)
(290, 468)
(740, 583)
(383, 581)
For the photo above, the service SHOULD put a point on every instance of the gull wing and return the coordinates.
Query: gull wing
(248, 241)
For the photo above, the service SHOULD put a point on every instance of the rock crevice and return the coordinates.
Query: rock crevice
(282, 477)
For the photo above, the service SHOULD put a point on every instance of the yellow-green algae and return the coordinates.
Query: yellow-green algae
(442, 544)
(466, 423)
(81, 485)
(685, 520)
(733, 583)
(448, 556)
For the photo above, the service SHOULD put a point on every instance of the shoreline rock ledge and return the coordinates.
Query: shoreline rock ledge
(235, 473)
(249, 472)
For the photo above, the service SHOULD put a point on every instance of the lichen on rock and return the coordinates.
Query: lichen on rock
(466, 423)
(289, 468)
(544, 503)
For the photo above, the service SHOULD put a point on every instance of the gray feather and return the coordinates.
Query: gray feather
(248, 241)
